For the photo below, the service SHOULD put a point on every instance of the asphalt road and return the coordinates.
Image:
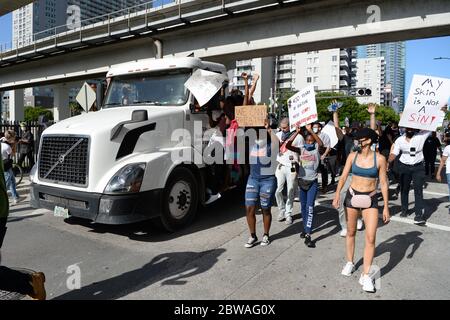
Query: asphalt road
(207, 260)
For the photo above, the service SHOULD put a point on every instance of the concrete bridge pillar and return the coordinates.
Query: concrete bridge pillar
(16, 105)
(61, 108)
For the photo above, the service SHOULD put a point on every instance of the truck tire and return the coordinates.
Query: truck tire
(180, 200)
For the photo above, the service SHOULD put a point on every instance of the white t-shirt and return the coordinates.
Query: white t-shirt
(409, 156)
(446, 153)
(6, 151)
(284, 158)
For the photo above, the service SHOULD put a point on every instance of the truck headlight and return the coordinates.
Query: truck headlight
(127, 180)
(33, 172)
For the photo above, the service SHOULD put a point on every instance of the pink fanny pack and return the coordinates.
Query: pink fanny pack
(362, 201)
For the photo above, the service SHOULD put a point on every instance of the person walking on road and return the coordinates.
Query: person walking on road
(26, 146)
(7, 151)
(325, 150)
(262, 183)
(411, 168)
(307, 178)
(286, 172)
(430, 148)
(368, 168)
(13, 280)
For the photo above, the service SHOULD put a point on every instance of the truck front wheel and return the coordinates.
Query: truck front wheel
(180, 200)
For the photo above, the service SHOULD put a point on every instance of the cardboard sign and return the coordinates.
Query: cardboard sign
(251, 116)
(302, 108)
(204, 85)
(426, 98)
(330, 130)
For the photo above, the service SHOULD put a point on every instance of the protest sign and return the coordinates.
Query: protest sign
(302, 107)
(251, 116)
(204, 85)
(330, 130)
(426, 98)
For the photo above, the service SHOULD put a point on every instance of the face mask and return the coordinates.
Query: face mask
(310, 147)
(315, 130)
(410, 134)
(285, 135)
(357, 146)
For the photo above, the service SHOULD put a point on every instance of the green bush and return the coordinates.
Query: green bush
(33, 113)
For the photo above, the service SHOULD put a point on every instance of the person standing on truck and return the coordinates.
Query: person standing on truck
(262, 183)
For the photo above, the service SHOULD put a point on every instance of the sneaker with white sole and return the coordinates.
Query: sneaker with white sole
(280, 216)
(349, 268)
(288, 220)
(359, 225)
(367, 283)
(265, 241)
(213, 197)
(343, 233)
(251, 242)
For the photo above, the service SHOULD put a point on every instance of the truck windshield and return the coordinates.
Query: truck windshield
(155, 88)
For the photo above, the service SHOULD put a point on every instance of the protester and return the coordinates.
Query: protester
(445, 161)
(12, 280)
(26, 146)
(432, 144)
(7, 150)
(262, 182)
(286, 172)
(368, 168)
(324, 150)
(309, 158)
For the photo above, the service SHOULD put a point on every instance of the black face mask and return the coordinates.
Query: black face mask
(410, 134)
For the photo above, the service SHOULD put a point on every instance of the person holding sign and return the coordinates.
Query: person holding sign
(368, 168)
(261, 183)
(286, 171)
(309, 158)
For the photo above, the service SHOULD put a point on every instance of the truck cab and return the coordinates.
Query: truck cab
(116, 166)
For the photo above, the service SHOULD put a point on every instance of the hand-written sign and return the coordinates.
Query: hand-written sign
(251, 116)
(426, 98)
(204, 85)
(302, 107)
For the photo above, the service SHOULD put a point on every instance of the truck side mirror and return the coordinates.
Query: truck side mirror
(139, 116)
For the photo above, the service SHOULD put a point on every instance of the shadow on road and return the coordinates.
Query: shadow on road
(397, 246)
(226, 209)
(170, 268)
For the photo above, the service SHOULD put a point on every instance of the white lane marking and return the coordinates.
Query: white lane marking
(428, 224)
(426, 192)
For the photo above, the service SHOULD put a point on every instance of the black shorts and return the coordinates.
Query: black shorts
(348, 199)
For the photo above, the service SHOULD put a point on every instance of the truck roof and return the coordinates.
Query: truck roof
(149, 65)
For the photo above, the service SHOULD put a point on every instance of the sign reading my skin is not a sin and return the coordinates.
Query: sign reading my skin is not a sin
(426, 98)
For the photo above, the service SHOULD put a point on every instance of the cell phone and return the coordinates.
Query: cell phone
(412, 151)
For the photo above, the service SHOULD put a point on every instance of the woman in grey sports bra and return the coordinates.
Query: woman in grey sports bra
(367, 168)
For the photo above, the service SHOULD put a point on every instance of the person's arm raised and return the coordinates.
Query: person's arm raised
(254, 84)
(291, 140)
(246, 98)
(372, 108)
(315, 136)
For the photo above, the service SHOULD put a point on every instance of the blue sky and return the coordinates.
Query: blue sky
(419, 53)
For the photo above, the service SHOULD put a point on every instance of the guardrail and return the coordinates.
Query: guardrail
(135, 21)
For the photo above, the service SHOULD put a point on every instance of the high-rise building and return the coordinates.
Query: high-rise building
(394, 54)
(326, 70)
(370, 74)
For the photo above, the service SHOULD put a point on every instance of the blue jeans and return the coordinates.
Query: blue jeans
(262, 189)
(448, 182)
(307, 199)
(10, 181)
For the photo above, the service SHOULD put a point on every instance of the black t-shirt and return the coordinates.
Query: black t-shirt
(431, 145)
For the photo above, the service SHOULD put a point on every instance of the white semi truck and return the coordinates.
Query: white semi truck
(115, 166)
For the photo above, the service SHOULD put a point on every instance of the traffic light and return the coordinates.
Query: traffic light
(364, 92)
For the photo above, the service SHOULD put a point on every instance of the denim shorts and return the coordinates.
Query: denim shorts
(262, 189)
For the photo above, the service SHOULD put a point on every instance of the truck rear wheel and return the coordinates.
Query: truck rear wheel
(180, 200)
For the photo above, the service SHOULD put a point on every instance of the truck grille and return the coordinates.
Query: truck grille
(64, 159)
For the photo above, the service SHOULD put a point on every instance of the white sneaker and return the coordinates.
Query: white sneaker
(289, 220)
(348, 269)
(213, 198)
(367, 283)
(280, 216)
(297, 199)
(265, 241)
(343, 233)
(251, 242)
(359, 225)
